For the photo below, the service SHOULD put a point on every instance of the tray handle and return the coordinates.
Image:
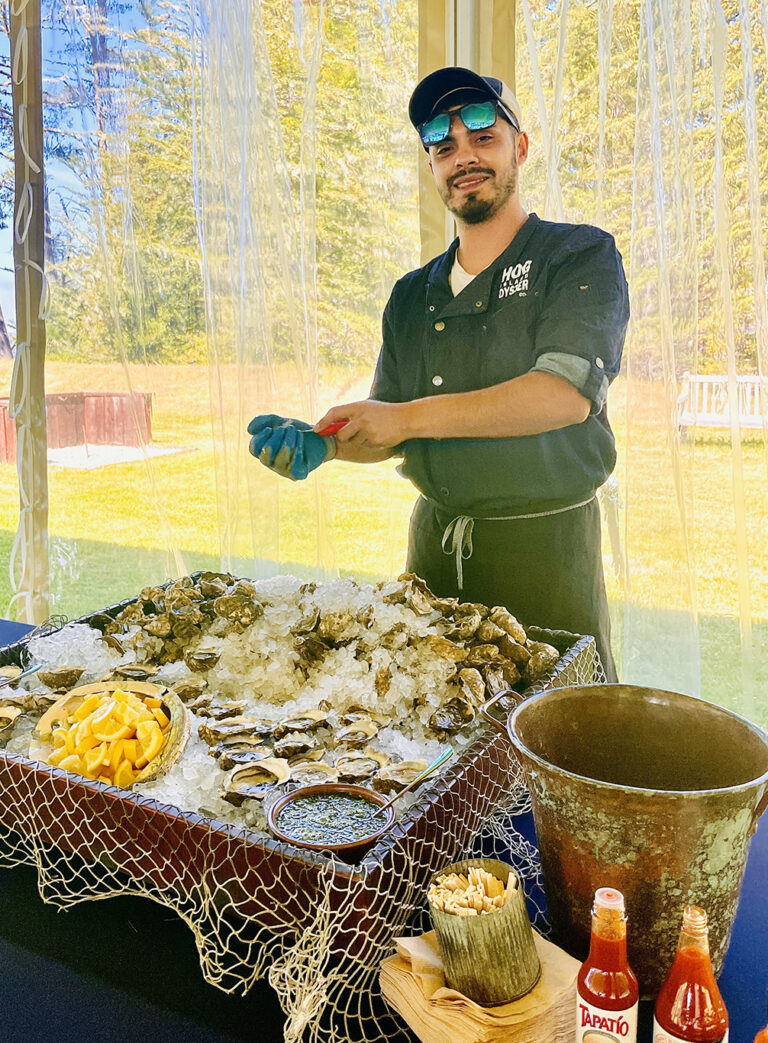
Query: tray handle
(485, 708)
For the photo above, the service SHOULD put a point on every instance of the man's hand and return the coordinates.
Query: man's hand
(377, 425)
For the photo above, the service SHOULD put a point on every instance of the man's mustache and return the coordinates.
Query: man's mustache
(469, 173)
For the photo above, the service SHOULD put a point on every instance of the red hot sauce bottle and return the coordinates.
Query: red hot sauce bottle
(689, 1006)
(606, 990)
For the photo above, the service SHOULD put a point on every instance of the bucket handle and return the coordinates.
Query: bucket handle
(762, 805)
(492, 701)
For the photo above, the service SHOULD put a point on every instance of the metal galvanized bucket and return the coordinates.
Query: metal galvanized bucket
(652, 792)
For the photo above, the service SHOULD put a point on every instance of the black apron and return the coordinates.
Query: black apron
(548, 571)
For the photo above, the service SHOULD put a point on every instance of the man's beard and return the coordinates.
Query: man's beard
(473, 210)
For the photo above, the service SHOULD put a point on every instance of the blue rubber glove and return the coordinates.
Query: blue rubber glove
(289, 447)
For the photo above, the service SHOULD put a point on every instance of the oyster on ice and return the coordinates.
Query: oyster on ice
(307, 721)
(213, 732)
(293, 743)
(393, 777)
(202, 658)
(254, 781)
(61, 676)
(358, 765)
(309, 772)
(8, 715)
(356, 734)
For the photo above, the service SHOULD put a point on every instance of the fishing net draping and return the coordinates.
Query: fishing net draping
(316, 928)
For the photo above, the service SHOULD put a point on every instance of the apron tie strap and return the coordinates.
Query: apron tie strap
(459, 534)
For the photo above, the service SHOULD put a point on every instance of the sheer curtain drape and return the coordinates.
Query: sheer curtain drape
(650, 119)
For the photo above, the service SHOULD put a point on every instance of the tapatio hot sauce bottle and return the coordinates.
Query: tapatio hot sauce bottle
(689, 1006)
(606, 989)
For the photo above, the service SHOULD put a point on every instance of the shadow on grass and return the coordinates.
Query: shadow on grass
(653, 646)
(88, 575)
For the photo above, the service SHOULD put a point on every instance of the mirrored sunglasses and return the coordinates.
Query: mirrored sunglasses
(475, 116)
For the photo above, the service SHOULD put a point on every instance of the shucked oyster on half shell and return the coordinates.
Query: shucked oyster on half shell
(393, 777)
(309, 772)
(60, 676)
(214, 731)
(300, 722)
(202, 658)
(293, 743)
(359, 765)
(254, 781)
(356, 734)
(8, 716)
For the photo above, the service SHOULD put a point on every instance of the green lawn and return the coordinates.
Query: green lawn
(108, 536)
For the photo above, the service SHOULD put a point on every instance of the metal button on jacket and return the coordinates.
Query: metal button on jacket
(437, 380)
(599, 363)
(440, 326)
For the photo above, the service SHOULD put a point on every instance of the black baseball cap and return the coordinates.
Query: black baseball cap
(433, 93)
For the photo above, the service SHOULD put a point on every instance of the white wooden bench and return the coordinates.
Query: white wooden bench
(703, 402)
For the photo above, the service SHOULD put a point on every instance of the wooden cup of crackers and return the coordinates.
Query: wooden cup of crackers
(486, 939)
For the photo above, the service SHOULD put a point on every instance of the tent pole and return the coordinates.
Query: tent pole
(27, 401)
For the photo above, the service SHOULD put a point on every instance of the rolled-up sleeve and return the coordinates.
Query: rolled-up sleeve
(580, 334)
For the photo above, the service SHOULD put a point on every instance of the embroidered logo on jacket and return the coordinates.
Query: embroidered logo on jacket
(514, 279)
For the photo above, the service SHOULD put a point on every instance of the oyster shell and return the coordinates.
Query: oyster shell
(61, 676)
(135, 671)
(309, 772)
(395, 638)
(201, 703)
(451, 718)
(213, 732)
(503, 618)
(293, 743)
(482, 655)
(472, 685)
(356, 734)
(190, 688)
(244, 588)
(513, 650)
(160, 626)
(543, 658)
(393, 777)
(359, 765)
(307, 622)
(383, 680)
(233, 758)
(214, 584)
(337, 627)
(446, 649)
(359, 713)
(222, 711)
(202, 658)
(300, 722)
(8, 675)
(254, 781)
(310, 649)
(465, 626)
(8, 716)
(489, 632)
(495, 680)
(113, 642)
(238, 610)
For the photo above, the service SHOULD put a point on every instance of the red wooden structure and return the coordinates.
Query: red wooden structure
(86, 418)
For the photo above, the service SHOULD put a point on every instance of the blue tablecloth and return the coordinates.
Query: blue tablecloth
(126, 968)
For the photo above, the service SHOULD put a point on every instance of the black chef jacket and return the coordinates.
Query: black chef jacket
(557, 288)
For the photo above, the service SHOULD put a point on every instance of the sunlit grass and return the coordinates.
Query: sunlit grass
(111, 528)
